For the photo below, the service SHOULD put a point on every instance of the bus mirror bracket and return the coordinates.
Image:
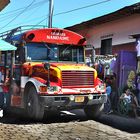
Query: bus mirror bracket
(47, 67)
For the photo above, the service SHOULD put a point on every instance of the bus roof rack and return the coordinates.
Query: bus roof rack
(7, 34)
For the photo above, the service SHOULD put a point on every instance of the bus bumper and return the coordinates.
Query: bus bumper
(72, 101)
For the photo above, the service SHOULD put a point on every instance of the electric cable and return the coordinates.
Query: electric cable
(91, 5)
(27, 21)
(80, 8)
(11, 14)
(19, 9)
(18, 15)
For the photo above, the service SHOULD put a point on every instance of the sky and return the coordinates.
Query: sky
(66, 12)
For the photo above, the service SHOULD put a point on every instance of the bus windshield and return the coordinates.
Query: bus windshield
(54, 52)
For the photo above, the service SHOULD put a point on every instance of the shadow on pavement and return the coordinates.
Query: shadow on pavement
(62, 118)
(130, 125)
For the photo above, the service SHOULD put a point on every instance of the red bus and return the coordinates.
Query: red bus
(47, 73)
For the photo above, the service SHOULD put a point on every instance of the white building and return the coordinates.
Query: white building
(111, 33)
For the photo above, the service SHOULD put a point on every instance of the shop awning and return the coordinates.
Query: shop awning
(5, 46)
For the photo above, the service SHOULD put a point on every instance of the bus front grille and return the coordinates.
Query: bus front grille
(77, 78)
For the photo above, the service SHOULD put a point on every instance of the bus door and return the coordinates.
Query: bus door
(16, 92)
(17, 69)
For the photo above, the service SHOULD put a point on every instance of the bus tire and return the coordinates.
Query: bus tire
(34, 109)
(94, 111)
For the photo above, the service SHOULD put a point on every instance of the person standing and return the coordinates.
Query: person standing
(138, 55)
(107, 105)
(114, 96)
(138, 87)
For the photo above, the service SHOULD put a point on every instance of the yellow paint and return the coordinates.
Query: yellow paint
(61, 67)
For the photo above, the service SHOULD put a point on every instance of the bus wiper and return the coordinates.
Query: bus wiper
(63, 52)
(50, 52)
(48, 47)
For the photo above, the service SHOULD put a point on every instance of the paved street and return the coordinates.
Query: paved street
(86, 130)
(63, 128)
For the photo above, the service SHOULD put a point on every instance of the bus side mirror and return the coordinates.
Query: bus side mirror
(22, 54)
(47, 67)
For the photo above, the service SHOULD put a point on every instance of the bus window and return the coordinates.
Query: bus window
(65, 53)
(71, 53)
(42, 52)
(36, 51)
(54, 52)
(81, 55)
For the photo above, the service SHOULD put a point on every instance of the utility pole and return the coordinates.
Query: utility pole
(51, 6)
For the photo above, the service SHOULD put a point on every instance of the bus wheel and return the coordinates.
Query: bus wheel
(33, 107)
(93, 112)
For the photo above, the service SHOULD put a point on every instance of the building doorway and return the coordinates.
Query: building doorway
(106, 46)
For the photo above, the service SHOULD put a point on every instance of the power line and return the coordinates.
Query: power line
(80, 8)
(35, 10)
(33, 6)
(15, 12)
(18, 14)
(29, 15)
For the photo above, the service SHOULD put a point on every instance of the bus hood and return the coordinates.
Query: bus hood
(68, 66)
(59, 66)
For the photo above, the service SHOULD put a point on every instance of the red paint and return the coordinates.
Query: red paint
(54, 35)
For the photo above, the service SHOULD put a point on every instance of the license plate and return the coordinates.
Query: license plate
(79, 99)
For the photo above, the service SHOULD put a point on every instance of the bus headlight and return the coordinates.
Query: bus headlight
(49, 89)
(54, 89)
(90, 96)
(71, 98)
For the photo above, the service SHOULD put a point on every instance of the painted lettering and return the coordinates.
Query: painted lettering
(51, 37)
